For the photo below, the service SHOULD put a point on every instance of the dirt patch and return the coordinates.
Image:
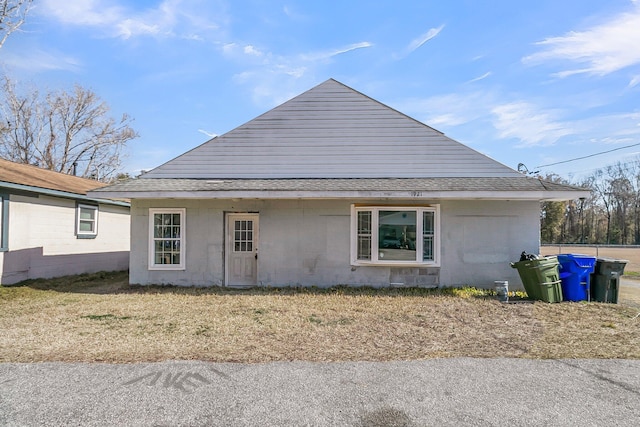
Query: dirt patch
(106, 320)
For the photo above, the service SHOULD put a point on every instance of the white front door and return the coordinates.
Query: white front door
(242, 250)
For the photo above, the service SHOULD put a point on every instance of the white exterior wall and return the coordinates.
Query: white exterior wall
(42, 240)
(307, 243)
(480, 238)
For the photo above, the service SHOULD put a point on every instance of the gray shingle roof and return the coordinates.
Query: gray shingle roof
(502, 184)
(331, 131)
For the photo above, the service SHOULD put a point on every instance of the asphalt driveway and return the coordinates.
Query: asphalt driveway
(414, 393)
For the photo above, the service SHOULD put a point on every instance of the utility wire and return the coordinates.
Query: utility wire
(590, 155)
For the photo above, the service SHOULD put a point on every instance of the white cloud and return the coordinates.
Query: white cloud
(250, 50)
(209, 134)
(81, 12)
(36, 60)
(129, 28)
(600, 50)
(170, 18)
(530, 125)
(277, 78)
(228, 48)
(482, 77)
(418, 42)
(323, 55)
(611, 128)
(634, 81)
(449, 110)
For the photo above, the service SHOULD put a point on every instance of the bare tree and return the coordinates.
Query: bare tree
(68, 132)
(553, 216)
(12, 14)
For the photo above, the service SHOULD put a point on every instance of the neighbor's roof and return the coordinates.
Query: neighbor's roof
(32, 178)
(519, 187)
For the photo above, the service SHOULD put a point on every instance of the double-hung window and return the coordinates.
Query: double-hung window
(395, 235)
(87, 221)
(166, 239)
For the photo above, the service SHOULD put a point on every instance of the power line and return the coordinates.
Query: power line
(590, 155)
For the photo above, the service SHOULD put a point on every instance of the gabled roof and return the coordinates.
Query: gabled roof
(334, 142)
(34, 179)
(331, 131)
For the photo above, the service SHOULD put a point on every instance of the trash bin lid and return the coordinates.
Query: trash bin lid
(613, 260)
(582, 261)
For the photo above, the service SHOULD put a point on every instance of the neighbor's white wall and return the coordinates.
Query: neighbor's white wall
(42, 240)
(49, 222)
(307, 242)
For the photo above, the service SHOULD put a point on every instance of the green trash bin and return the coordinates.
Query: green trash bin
(541, 278)
(605, 280)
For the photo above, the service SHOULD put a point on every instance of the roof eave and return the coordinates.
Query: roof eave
(96, 198)
(354, 194)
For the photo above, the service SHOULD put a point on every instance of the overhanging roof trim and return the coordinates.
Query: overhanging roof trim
(523, 188)
(63, 194)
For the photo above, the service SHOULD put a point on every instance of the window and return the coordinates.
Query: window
(166, 243)
(87, 226)
(4, 222)
(243, 236)
(393, 235)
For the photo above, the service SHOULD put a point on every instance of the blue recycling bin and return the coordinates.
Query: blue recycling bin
(575, 272)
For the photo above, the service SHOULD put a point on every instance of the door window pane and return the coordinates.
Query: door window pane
(243, 236)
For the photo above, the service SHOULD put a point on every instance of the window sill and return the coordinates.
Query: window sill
(86, 236)
(168, 268)
(394, 264)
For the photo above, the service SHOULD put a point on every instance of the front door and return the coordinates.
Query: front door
(242, 250)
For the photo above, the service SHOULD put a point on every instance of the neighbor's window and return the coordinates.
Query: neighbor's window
(395, 235)
(87, 226)
(166, 244)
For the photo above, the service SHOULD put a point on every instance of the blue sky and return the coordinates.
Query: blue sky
(533, 82)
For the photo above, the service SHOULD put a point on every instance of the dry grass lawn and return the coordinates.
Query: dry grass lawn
(100, 318)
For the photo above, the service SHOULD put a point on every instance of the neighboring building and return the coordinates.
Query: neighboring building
(49, 227)
(333, 188)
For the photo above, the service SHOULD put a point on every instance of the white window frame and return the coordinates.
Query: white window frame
(182, 239)
(375, 259)
(86, 234)
(4, 222)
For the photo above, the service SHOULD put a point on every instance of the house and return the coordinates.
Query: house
(49, 226)
(332, 187)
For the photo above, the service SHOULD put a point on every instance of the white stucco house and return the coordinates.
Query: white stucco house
(49, 227)
(332, 188)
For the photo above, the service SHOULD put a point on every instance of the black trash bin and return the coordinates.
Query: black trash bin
(605, 280)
